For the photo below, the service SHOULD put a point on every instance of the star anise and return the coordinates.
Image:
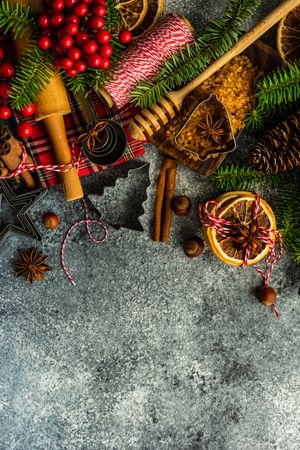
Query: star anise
(31, 265)
(91, 136)
(211, 130)
(248, 235)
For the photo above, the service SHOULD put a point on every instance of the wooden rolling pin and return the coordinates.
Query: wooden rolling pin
(149, 121)
(52, 104)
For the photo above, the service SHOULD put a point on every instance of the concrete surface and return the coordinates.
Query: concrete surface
(152, 351)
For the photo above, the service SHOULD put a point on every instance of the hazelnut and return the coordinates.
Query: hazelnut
(193, 247)
(181, 205)
(266, 295)
(50, 220)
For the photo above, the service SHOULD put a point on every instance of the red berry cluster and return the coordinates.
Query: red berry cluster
(75, 30)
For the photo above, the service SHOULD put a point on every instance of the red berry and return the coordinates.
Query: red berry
(95, 23)
(103, 37)
(5, 112)
(71, 72)
(28, 111)
(66, 63)
(100, 2)
(61, 32)
(1, 53)
(72, 18)
(24, 130)
(72, 28)
(74, 53)
(59, 50)
(105, 63)
(125, 36)
(56, 63)
(44, 42)
(80, 66)
(58, 5)
(87, 2)
(66, 41)
(94, 60)
(43, 21)
(81, 37)
(7, 70)
(90, 47)
(99, 10)
(4, 90)
(57, 20)
(106, 50)
(70, 3)
(80, 10)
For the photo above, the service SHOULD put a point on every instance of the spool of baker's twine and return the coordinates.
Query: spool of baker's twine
(144, 59)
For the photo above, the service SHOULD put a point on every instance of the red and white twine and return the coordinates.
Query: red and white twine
(143, 59)
(87, 223)
(227, 228)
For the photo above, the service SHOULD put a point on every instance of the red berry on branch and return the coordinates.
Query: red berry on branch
(72, 28)
(105, 63)
(72, 18)
(4, 90)
(80, 10)
(94, 61)
(66, 63)
(95, 23)
(58, 5)
(1, 53)
(28, 111)
(71, 72)
(44, 42)
(56, 62)
(7, 70)
(24, 130)
(99, 10)
(106, 50)
(59, 50)
(87, 2)
(81, 37)
(66, 41)
(99, 2)
(125, 36)
(103, 37)
(74, 53)
(43, 21)
(90, 47)
(70, 3)
(80, 66)
(57, 20)
(5, 112)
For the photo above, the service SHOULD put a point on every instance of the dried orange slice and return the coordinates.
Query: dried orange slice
(238, 207)
(132, 13)
(288, 36)
(155, 9)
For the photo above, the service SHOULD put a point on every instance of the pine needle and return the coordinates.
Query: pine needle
(15, 19)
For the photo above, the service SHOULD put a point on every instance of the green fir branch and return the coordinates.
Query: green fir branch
(214, 41)
(15, 19)
(75, 84)
(112, 16)
(274, 93)
(34, 71)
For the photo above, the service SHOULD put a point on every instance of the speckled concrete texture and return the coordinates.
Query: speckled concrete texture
(152, 351)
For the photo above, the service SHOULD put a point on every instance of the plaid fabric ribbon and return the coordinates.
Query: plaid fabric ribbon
(39, 147)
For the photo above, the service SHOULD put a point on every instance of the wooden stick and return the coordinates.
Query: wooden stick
(169, 195)
(167, 163)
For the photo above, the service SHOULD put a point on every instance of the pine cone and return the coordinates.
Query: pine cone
(279, 149)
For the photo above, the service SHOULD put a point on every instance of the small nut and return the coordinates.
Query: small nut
(266, 295)
(50, 220)
(193, 247)
(181, 205)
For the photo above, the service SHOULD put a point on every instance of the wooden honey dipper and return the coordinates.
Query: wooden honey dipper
(52, 104)
(150, 120)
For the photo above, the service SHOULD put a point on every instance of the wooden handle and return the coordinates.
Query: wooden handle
(57, 134)
(169, 195)
(249, 38)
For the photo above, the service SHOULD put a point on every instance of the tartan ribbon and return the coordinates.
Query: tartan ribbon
(227, 229)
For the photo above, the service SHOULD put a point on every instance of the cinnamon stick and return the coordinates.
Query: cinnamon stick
(167, 163)
(169, 195)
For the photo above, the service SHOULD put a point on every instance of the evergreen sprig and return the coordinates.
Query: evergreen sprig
(214, 41)
(112, 16)
(15, 19)
(34, 71)
(274, 93)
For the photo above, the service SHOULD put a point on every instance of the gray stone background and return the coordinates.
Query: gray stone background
(152, 350)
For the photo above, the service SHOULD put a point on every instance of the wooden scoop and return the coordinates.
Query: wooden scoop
(52, 104)
(149, 121)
